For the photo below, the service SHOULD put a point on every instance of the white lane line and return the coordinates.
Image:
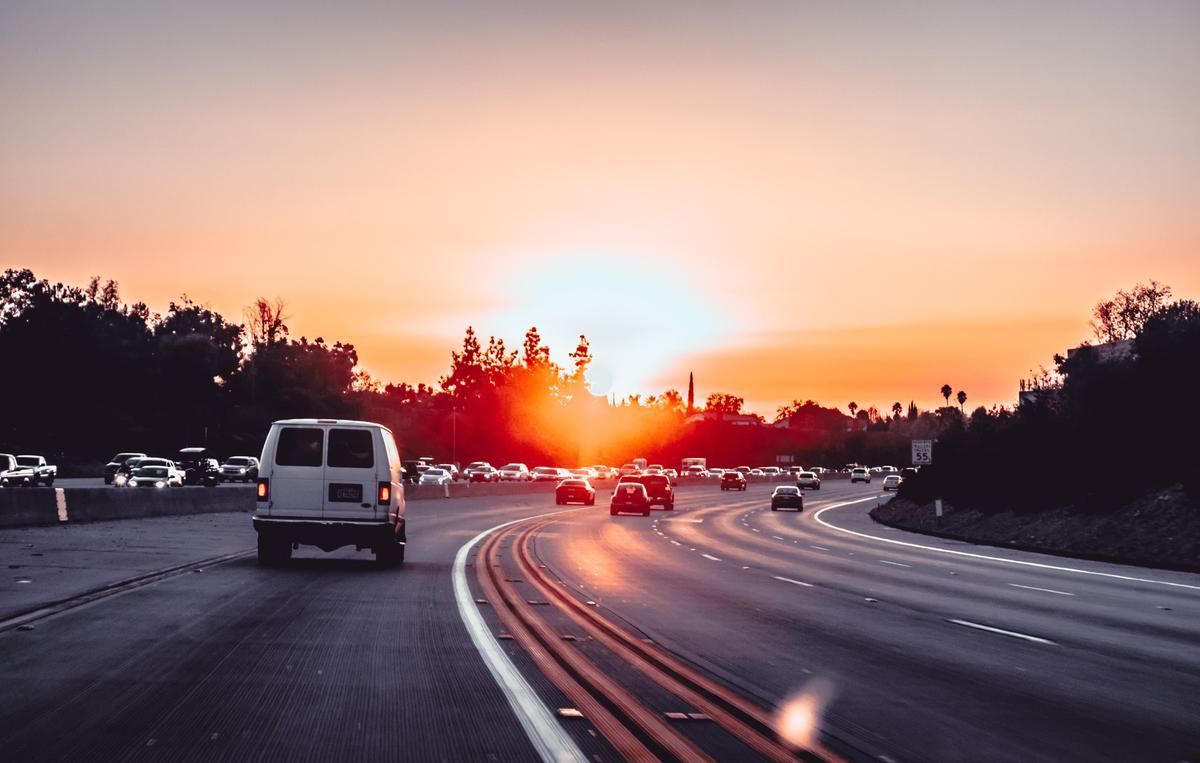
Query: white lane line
(1044, 590)
(820, 548)
(1022, 562)
(677, 543)
(776, 537)
(545, 734)
(755, 529)
(710, 556)
(1002, 632)
(794, 582)
(895, 564)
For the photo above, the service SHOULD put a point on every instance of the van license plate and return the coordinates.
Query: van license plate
(345, 493)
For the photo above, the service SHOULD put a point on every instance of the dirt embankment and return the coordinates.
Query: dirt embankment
(1160, 529)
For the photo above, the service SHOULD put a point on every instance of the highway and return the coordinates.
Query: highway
(914, 648)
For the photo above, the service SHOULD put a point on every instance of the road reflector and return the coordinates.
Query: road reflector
(505, 637)
(677, 716)
(569, 712)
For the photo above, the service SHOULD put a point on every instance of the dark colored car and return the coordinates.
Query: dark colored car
(787, 497)
(907, 472)
(630, 498)
(658, 488)
(198, 468)
(115, 463)
(575, 491)
(733, 481)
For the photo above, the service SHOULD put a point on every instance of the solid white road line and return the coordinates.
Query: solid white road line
(776, 537)
(710, 556)
(547, 736)
(677, 543)
(1044, 590)
(1022, 562)
(820, 548)
(795, 582)
(894, 564)
(1003, 632)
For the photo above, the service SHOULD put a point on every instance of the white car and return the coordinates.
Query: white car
(174, 473)
(860, 474)
(435, 476)
(586, 472)
(695, 472)
(718, 473)
(757, 473)
(630, 470)
(891, 482)
(451, 468)
(330, 483)
(515, 473)
(549, 474)
(808, 480)
(605, 472)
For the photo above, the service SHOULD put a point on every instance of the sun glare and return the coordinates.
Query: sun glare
(637, 312)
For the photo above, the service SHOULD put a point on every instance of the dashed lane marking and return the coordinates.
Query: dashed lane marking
(1043, 590)
(1002, 632)
(793, 582)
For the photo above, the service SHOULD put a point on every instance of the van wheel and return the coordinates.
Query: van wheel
(389, 555)
(272, 553)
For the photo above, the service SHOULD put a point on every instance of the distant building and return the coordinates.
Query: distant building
(736, 419)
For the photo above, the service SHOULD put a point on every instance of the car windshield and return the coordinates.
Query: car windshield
(238, 461)
(513, 467)
(435, 473)
(151, 471)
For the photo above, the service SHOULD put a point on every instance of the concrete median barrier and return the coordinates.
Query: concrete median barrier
(25, 507)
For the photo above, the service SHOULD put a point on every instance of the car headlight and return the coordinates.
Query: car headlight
(241, 471)
(133, 483)
(160, 483)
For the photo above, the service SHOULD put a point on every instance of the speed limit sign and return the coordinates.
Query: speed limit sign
(922, 452)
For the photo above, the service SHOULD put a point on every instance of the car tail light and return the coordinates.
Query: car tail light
(668, 487)
(264, 488)
(385, 493)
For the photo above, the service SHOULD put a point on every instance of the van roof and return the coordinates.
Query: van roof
(339, 422)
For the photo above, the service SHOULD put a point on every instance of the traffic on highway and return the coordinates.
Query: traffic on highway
(685, 622)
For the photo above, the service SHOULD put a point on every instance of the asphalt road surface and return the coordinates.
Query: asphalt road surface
(917, 648)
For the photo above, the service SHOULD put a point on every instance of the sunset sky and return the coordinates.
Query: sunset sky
(839, 201)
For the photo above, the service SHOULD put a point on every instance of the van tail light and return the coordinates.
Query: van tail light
(668, 488)
(264, 488)
(385, 493)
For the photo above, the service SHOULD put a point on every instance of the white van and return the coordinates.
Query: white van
(330, 483)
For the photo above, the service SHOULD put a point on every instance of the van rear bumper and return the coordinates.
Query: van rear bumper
(330, 534)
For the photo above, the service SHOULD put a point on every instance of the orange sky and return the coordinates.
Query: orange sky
(842, 203)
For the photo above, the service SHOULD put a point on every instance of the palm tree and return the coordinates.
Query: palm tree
(896, 408)
(853, 407)
(962, 399)
(946, 390)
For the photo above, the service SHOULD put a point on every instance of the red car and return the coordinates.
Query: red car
(630, 498)
(575, 491)
(733, 481)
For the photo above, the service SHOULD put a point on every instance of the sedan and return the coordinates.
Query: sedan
(891, 482)
(733, 481)
(575, 491)
(434, 476)
(151, 476)
(787, 497)
(484, 473)
(630, 498)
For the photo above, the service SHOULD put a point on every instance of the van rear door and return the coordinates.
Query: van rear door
(298, 474)
(350, 482)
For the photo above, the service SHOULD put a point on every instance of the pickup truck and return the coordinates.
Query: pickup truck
(29, 471)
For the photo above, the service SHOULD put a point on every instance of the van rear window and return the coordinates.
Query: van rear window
(299, 447)
(351, 448)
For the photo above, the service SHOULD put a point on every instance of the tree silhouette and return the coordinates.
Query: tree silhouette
(962, 399)
(946, 390)
(719, 402)
(896, 409)
(853, 407)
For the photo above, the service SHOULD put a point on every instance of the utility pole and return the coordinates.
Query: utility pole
(691, 394)
(454, 435)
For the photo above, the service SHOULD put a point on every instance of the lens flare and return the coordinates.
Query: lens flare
(798, 720)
